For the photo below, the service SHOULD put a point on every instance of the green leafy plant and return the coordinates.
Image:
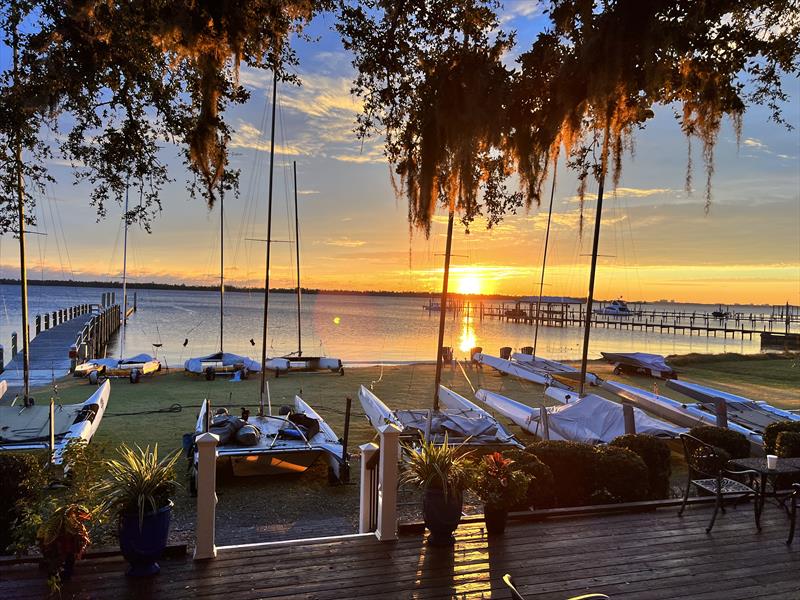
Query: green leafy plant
(137, 481)
(572, 465)
(540, 485)
(788, 444)
(432, 465)
(498, 482)
(22, 477)
(619, 476)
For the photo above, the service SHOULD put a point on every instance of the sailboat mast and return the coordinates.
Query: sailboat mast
(124, 277)
(221, 267)
(544, 257)
(593, 268)
(297, 251)
(262, 396)
(23, 272)
(443, 310)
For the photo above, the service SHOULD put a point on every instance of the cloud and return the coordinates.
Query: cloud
(754, 143)
(307, 192)
(344, 242)
(250, 137)
(626, 192)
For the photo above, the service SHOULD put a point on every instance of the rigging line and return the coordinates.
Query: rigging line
(544, 256)
(460, 366)
(55, 234)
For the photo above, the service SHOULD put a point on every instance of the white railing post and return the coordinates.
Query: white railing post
(204, 547)
(367, 499)
(387, 483)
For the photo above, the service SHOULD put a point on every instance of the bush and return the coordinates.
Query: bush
(788, 444)
(735, 444)
(18, 471)
(540, 488)
(656, 456)
(773, 429)
(499, 482)
(572, 465)
(620, 476)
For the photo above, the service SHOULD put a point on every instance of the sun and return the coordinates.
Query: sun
(469, 285)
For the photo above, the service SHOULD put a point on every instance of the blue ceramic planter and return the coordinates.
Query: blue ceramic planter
(142, 547)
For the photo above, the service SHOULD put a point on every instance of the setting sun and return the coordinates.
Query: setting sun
(469, 284)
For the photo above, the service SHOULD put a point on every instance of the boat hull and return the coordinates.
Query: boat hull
(297, 461)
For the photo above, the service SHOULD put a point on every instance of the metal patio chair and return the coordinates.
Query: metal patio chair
(515, 595)
(707, 472)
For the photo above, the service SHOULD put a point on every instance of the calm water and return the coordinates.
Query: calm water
(353, 328)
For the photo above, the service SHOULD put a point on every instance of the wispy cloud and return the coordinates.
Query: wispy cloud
(307, 192)
(344, 242)
(250, 137)
(754, 143)
(626, 192)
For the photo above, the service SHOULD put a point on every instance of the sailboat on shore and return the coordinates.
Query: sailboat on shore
(133, 367)
(34, 426)
(266, 443)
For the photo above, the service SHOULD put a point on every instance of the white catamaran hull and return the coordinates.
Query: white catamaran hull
(684, 415)
(33, 423)
(555, 368)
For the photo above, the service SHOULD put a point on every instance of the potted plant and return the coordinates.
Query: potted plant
(500, 485)
(441, 471)
(62, 539)
(137, 490)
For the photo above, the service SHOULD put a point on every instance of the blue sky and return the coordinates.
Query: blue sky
(658, 242)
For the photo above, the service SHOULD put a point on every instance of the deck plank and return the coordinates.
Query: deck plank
(645, 556)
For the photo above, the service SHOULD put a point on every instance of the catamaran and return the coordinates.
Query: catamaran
(591, 419)
(133, 367)
(640, 362)
(41, 426)
(268, 444)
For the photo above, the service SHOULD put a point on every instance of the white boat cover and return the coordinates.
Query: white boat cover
(654, 363)
(195, 365)
(594, 419)
(518, 369)
(554, 367)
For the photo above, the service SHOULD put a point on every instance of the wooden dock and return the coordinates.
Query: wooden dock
(651, 555)
(75, 333)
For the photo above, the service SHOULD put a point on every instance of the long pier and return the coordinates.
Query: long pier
(62, 338)
(779, 324)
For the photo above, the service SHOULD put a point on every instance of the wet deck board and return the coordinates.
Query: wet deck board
(651, 555)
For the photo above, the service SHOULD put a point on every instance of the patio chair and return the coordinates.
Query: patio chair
(707, 472)
(793, 511)
(515, 595)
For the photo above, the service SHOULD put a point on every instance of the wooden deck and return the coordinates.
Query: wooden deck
(652, 555)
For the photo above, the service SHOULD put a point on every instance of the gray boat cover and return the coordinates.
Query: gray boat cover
(113, 363)
(455, 423)
(195, 365)
(654, 363)
(593, 419)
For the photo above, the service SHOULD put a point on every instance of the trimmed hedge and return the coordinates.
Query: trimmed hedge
(540, 489)
(656, 456)
(573, 466)
(735, 444)
(620, 476)
(15, 469)
(773, 429)
(788, 444)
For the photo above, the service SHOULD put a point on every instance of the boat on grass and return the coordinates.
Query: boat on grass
(541, 371)
(133, 368)
(640, 363)
(289, 442)
(463, 422)
(590, 419)
(29, 427)
(754, 415)
(682, 414)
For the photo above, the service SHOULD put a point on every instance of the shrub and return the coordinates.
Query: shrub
(620, 476)
(656, 456)
(735, 444)
(788, 444)
(572, 465)
(540, 488)
(773, 429)
(18, 482)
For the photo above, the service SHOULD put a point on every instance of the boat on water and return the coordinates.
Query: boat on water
(720, 313)
(267, 444)
(615, 308)
(679, 413)
(636, 363)
(536, 370)
(754, 415)
(591, 419)
(463, 422)
(30, 427)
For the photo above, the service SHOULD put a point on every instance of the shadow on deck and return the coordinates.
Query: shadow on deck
(645, 555)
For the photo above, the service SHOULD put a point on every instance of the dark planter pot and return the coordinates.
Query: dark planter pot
(441, 516)
(495, 519)
(143, 547)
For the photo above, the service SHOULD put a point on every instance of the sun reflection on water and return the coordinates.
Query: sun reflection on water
(467, 340)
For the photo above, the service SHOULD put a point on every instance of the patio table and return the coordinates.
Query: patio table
(785, 466)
